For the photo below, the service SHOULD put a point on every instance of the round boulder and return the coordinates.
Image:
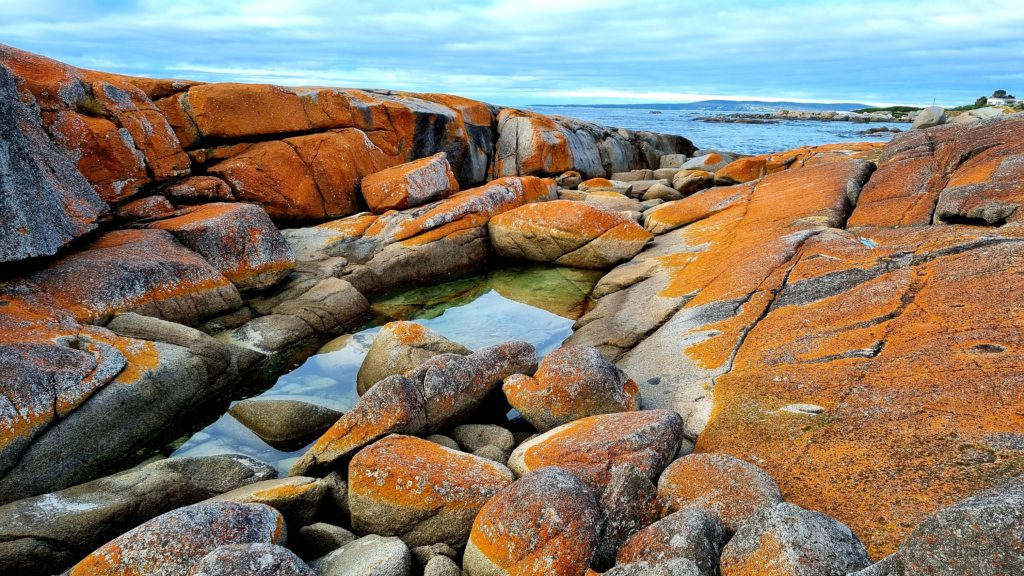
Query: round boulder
(251, 560)
(691, 533)
(400, 347)
(284, 424)
(371, 555)
(420, 491)
(567, 233)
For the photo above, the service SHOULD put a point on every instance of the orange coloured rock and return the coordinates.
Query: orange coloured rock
(573, 382)
(729, 488)
(144, 271)
(239, 240)
(176, 541)
(411, 184)
(148, 207)
(531, 144)
(567, 233)
(545, 523)
(672, 215)
(691, 533)
(198, 188)
(755, 167)
(400, 347)
(592, 446)
(420, 491)
(106, 156)
(228, 110)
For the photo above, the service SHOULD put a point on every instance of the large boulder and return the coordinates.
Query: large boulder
(929, 117)
(591, 447)
(171, 544)
(629, 504)
(411, 184)
(573, 382)
(398, 348)
(691, 533)
(368, 556)
(567, 233)
(284, 423)
(44, 534)
(545, 523)
(258, 559)
(420, 491)
(296, 498)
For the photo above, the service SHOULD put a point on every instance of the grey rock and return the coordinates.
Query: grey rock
(673, 567)
(45, 534)
(251, 560)
(423, 554)
(629, 503)
(444, 441)
(398, 348)
(614, 201)
(796, 542)
(321, 538)
(979, 536)
(492, 453)
(673, 161)
(336, 499)
(45, 202)
(688, 182)
(661, 192)
(284, 424)
(976, 115)
(691, 533)
(441, 566)
(710, 162)
(368, 556)
(665, 173)
(472, 437)
(633, 175)
(297, 498)
(929, 117)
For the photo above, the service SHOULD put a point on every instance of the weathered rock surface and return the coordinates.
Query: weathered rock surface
(435, 395)
(788, 540)
(754, 167)
(929, 117)
(691, 533)
(729, 488)
(411, 184)
(284, 423)
(171, 544)
(472, 437)
(45, 534)
(545, 523)
(629, 503)
(398, 348)
(591, 447)
(566, 233)
(251, 560)
(419, 491)
(573, 382)
(709, 162)
(673, 567)
(297, 498)
(368, 556)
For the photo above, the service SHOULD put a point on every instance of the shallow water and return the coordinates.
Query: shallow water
(741, 138)
(533, 303)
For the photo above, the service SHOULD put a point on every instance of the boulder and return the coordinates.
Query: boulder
(45, 534)
(591, 447)
(729, 488)
(198, 189)
(976, 115)
(258, 559)
(788, 540)
(472, 437)
(604, 184)
(566, 233)
(398, 348)
(613, 201)
(573, 382)
(412, 184)
(432, 397)
(424, 554)
(673, 161)
(284, 423)
(173, 543)
(629, 503)
(319, 539)
(691, 533)
(673, 567)
(687, 182)
(661, 192)
(929, 117)
(441, 566)
(443, 440)
(297, 498)
(633, 175)
(570, 179)
(239, 240)
(105, 154)
(144, 208)
(755, 167)
(709, 162)
(368, 556)
(420, 491)
(545, 523)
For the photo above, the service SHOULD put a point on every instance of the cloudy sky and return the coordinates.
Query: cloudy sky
(550, 51)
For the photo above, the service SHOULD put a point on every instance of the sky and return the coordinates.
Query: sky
(520, 52)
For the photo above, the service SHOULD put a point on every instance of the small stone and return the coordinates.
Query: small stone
(661, 192)
(570, 179)
(442, 566)
(423, 554)
(475, 436)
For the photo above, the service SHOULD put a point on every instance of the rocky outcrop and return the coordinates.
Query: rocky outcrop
(754, 167)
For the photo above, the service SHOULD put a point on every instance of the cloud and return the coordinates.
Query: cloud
(525, 51)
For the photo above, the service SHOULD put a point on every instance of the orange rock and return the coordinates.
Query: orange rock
(175, 109)
(730, 489)
(567, 233)
(148, 207)
(420, 491)
(410, 184)
(229, 110)
(545, 523)
(106, 156)
(239, 240)
(756, 167)
(592, 446)
(573, 382)
(400, 347)
(199, 188)
(672, 215)
(537, 146)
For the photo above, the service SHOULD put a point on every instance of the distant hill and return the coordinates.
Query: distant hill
(725, 106)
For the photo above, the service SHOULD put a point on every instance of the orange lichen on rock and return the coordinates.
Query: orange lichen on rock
(410, 184)
(672, 215)
(754, 167)
(541, 145)
(420, 491)
(106, 156)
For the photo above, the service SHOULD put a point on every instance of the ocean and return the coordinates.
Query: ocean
(741, 138)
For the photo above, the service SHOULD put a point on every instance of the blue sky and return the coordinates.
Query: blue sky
(550, 51)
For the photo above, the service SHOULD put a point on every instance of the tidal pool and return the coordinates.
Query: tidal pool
(537, 304)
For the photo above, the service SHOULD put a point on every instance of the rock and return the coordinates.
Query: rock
(633, 175)
(639, 187)
(442, 566)
(321, 538)
(284, 423)
(786, 539)
(629, 503)
(176, 541)
(545, 523)
(709, 162)
(148, 207)
(691, 533)
(475, 436)
(398, 348)
(665, 173)
(336, 498)
(573, 382)
(432, 397)
(661, 192)
(605, 185)
(613, 201)
(929, 117)
(591, 447)
(297, 498)
(239, 240)
(420, 491)
(675, 161)
(566, 233)
(424, 554)
(251, 560)
(368, 556)
(45, 200)
(329, 307)
(673, 567)
(570, 179)
(412, 184)
(755, 167)
(729, 488)
(144, 271)
(445, 441)
(979, 535)
(48, 533)
(199, 188)
(688, 182)
(976, 115)
(492, 453)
